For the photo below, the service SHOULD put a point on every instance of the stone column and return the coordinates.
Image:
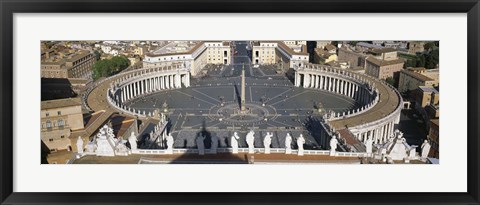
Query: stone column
(167, 82)
(321, 82)
(382, 134)
(127, 96)
(159, 82)
(134, 89)
(342, 91)
(329, 84)
(306, 80)
(162, 82)
(149, 88)
(152, 84)
(179, 81)
(123, 95)
(348, 88)
(352, 86)
(332, 86)
(129, 91)
(172, 82)
(387, 129)
(337, 86)
(312, 81)
(137, 91)
(149, 85)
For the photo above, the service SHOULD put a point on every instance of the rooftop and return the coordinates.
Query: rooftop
(388, 103)
(289, 50)
(383, 50)
(428, 89)
(416, 75)
(51, 104)
(322, 52)
(378, 62)
(368, 45)
(77, 56)
(416, 68)
(177, 47)
(330, 47)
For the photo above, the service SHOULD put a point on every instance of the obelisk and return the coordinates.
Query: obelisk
(242, 109)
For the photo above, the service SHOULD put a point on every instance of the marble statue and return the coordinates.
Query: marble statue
(121, 149)
(170, 142)
(105, 146)
(267, 141)
(300, 143)
(369, 145)
(333, 145)
(234, 142)
(214, 145)
(200, 144)
(288, 144)
(91, 147)
(425, 149)
(250, 142)
(80, 145)
(133, 141)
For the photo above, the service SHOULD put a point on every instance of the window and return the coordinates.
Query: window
(49, 124)
(59, 113)
(63, 136)
(61, 123)
(47, 114)
(50, 140)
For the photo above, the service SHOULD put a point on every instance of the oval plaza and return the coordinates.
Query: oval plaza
(214, 92)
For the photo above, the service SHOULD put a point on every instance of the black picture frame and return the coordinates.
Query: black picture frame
(10, 7)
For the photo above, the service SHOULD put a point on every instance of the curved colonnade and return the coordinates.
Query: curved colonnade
(376, 117)
(380, 103)
(143, 82)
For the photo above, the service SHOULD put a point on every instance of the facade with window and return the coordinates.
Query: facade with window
(76, 65)
(195, 57)
(58, 119)
(290, 54)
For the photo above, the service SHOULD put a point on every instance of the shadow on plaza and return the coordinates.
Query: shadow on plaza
(208, 158)
(314, 129)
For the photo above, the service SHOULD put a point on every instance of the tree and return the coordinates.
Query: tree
(97, 55)
(432, 59)
(391, 81)
(421, 61)
(429, 45)
(410, 63)
(109, 67)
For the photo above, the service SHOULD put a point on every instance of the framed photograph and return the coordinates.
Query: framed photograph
(107, 102)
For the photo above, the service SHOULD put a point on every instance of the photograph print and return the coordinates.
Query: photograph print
(239, 102)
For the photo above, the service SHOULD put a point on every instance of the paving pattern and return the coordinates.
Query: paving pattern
(212, 102)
